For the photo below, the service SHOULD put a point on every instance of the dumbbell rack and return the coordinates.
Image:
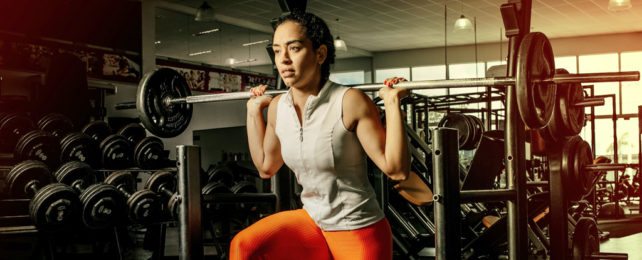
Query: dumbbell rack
(190, 238)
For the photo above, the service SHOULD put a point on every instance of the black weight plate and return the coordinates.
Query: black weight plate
(535, 61)
(154, 89)
(74, 172)
(38, 145)
(572, 117)
(583, 157)
(54, 208)
(149, 152)
(12, 127)
(97, 130)
(116, 152)
(134, 132)
(586, 239)
(173, 205)
(569, 150)
(143, 206)
(459, 122)
(24, 173)
(215, 187)
(244, 187)
(478, 127)
(56, 124)
(222, 174)
(161, 179)
(80, 147)
(470, 143)
(101, 206)
(122, 179)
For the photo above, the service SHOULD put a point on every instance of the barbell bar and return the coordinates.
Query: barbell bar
(164, 98)
(428, 84)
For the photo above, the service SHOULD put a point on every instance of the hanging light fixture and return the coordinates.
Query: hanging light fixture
(619, 5)
(339, 44)
(463, 23)
(204, 13)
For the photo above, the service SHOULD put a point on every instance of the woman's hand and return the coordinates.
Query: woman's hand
(388, 92)
(258, 101)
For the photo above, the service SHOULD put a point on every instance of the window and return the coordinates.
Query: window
(435, 72)
(348, 77)
(603, 144)
(569, 63)
(631, 90)
(382, 74)
(602, 63)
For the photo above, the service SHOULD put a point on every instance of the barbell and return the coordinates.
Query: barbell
(164, 98)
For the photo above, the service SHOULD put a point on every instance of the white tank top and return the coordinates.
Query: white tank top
(328, 161)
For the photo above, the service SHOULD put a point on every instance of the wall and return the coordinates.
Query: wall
(351, 64)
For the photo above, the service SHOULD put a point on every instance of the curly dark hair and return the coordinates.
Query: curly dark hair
(318, 32)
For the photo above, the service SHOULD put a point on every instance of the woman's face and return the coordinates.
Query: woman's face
(299, 64)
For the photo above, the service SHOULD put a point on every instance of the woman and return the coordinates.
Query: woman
(321, 131)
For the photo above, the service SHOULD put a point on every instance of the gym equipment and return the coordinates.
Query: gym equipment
(78, 146)
(586, 242)
(53, 207)
(149, 153)
(56, 124)
(97, 130)
(470, 129)
(101, 203)
(164, 184)
(164, 99)
(38, 145)
(12, 127)
(142, 205)
(134, 132)
(116, 152)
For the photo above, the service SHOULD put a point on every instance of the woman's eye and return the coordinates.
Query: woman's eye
(276, 51)
(294, 48)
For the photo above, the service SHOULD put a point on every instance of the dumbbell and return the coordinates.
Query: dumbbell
(148, 150)
(38, 145)
(78, 146)
(12, 127)
(101, 203)
(224, 173)
(53, 206)
(143, 206)
(164, 184)
(114, 149)
(57, 124)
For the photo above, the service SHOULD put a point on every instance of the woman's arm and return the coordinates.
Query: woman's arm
(264, 145)
(388, 148)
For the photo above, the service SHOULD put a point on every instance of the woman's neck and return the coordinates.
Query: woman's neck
(304, 92)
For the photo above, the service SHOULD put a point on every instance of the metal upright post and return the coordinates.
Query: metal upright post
(445, 158)
(190, 236)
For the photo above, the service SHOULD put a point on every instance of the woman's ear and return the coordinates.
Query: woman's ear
(322, 53)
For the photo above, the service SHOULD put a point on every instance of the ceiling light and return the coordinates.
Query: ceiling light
(340, 45)
(157, 42)
(231, 61)
(206, 32)
(204, 13)
(200, 53)
(234, 61)
(619, 5)
(463, 24)
(254, 43)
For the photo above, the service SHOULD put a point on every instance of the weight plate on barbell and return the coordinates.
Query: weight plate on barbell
(585, 240)
(571, 117)
(535, 65)
(154, 90)
(459, 122)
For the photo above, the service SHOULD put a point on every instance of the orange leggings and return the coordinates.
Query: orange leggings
(294, 235)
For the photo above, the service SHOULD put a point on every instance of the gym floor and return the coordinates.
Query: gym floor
(625, 233)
